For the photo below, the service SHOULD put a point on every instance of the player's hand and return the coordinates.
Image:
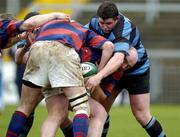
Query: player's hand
(93, 82)
(22, 35)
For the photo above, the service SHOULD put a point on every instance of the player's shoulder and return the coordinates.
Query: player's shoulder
(94, 21)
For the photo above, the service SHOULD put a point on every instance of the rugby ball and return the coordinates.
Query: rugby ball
(88, 69)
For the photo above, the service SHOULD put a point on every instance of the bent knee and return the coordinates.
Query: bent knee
(142, 117)
(97, 110)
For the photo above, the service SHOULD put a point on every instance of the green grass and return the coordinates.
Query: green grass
(123, 123)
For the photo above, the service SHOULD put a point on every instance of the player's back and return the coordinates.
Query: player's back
(68, 33)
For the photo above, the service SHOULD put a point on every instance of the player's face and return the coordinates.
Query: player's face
(107, 25)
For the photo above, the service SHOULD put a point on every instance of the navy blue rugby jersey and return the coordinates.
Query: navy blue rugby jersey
(124, 35)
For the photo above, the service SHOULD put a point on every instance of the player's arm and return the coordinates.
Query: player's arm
(99, 42)
(113, 64)
(39, 20)
(120, 51)
(22, 52)
(107, 51)
(122, 59)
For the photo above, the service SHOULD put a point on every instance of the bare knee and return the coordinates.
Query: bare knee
(97, 110)
(142, 116)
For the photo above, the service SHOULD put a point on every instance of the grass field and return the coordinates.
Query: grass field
(123, 123)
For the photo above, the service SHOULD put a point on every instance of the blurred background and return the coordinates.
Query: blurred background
(157, 20)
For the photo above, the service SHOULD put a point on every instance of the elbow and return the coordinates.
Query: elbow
(110, 47)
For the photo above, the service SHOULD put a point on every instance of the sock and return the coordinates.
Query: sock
(68, 130)
(154, 129)
(80, 125)
(16, 124)
(106, 127)
(27, 126)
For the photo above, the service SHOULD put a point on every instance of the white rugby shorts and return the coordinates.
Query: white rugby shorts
(53, 65)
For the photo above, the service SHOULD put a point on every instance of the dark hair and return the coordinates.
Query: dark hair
(6, 16)
(107, 10)
(30, 14)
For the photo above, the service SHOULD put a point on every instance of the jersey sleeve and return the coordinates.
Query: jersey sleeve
(122, 46)
(87, 25)
(94, 40)
(14, 27)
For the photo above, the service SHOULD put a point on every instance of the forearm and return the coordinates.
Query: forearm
(113, 64)
(39, 20)
(21, 55)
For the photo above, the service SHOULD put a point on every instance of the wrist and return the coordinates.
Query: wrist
(100, 76)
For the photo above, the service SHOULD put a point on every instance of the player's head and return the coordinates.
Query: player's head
(108, 15)
(31, 14)
(131, 59)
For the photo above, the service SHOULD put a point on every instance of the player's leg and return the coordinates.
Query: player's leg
(27, 104)
(140, 104)
(65, 72)
(27, 126)
(140, 107)
(97, 118)
(78, 100)
(34, 75)
(67, 127)
(29, 120)
(57, 107)
(107, 102)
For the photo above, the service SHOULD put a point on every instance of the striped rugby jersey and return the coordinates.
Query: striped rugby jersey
(123, 35)
(71, 34)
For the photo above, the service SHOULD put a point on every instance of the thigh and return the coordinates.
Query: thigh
(29, 99)
(106, 101)
(140, 104)
(57, 105)
(98, 95)
(110, 100)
